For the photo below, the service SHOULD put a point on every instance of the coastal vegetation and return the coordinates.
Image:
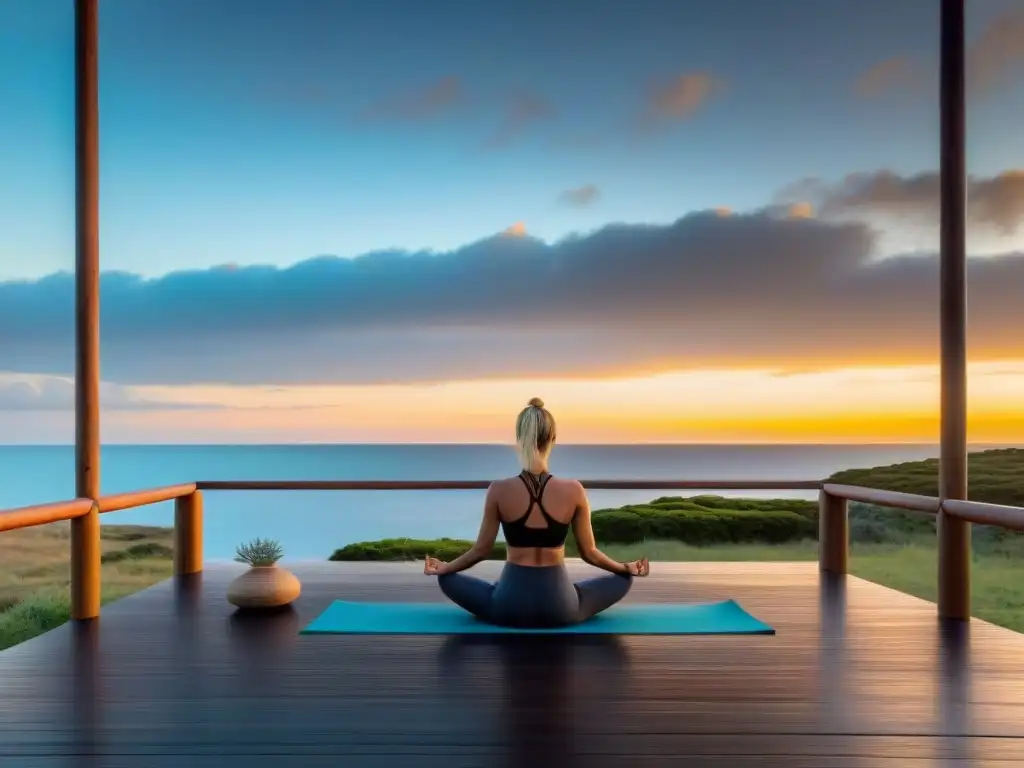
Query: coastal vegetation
(995, 476)
(704, 520)
(891, 547)
(35, 572)
(409, 549)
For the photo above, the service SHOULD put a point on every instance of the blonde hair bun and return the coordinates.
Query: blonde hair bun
(535, 433)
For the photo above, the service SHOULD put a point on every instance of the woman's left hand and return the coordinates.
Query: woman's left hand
(434, 567)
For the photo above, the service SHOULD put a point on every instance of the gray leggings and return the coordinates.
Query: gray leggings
(525, 596)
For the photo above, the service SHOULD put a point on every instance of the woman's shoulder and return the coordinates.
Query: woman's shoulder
(565, 482)
(503, 483)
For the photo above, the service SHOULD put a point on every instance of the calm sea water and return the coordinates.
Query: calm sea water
(312, 524)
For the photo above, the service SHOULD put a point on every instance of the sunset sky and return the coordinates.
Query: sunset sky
(376, 221)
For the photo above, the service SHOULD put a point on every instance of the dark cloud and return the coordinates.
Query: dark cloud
(995, 203)
(424, 103)
(892, 74)
(581, 197)
(739, 290)
(54, 393)
(521, 110)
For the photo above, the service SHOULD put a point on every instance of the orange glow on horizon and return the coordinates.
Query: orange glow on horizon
(853, 405)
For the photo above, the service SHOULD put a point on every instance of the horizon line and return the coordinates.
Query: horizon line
(470, 444)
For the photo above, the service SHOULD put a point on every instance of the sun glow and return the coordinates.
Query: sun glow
(893, 404)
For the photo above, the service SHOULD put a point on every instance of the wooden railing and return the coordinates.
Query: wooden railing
(480, 485)
(134, 499)
(41, 514)
(833, 500)
(953, 569)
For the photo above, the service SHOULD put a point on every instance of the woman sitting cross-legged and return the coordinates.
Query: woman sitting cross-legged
(535, 512)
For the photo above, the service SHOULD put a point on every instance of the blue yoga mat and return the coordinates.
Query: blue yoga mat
(350, 618)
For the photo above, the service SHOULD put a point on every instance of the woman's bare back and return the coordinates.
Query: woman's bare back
(561, 498)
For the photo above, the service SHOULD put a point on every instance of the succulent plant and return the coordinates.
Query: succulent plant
(259, 552)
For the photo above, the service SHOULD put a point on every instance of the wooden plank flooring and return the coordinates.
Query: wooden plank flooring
(857, 675)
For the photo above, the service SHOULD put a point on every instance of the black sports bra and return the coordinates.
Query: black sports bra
(518, 534)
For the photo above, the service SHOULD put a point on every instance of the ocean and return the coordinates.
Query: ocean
(312, 524)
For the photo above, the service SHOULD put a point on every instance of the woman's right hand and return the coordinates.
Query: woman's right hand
(433, 567)
(639, 568)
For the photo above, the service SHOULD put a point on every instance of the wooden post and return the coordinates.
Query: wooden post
(954, 535)
(188, 534)
(85, 531)
(833, 533)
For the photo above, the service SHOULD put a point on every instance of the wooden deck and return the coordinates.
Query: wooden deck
(857, 675)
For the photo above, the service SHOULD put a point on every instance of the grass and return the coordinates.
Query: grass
(35, 573)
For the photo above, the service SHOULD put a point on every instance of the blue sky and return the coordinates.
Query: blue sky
(359, 201)
(231, 130)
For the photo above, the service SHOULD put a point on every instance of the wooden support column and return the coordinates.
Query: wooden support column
(188, 534)
(833, 533)
(85, 531)
(954, 535)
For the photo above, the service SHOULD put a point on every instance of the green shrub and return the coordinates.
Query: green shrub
(139, 552)
(411, 549)
(870, 532)
(993, 476)
(698, 524)
(808, 509)
(32, 617)
(896, 526)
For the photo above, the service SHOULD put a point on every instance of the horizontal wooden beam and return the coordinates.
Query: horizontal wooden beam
(41, 514)
(132, 499)
(970, 511)
(476, 485)
(896, 499)
(985, 514)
